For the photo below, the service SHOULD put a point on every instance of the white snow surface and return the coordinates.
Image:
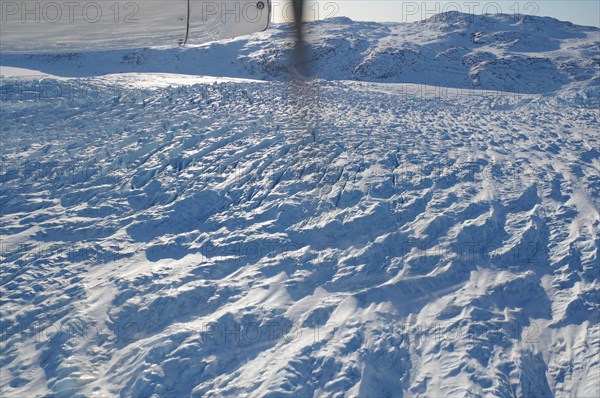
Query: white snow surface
(420, 220)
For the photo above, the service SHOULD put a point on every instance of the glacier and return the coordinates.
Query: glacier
(419, 220)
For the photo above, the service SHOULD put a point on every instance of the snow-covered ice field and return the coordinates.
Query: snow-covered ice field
(407, 228)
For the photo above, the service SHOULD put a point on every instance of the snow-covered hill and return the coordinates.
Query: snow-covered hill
(164, 236)
(492, 52)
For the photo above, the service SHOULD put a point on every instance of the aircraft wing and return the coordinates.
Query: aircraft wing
(43, 26)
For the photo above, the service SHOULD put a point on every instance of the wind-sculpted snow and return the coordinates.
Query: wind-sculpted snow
(213, 240)
(515, 53)
(167, 236)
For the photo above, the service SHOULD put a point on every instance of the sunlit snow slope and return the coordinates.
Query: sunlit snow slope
(493, 52)
(163, 235)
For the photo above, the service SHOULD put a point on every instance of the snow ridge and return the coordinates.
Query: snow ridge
(523, 54)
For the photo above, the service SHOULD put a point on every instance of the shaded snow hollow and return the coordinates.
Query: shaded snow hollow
(164, 236)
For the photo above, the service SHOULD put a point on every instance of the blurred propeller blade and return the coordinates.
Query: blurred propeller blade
(300, 61)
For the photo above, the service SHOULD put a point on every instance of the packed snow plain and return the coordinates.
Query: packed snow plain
(421, 219)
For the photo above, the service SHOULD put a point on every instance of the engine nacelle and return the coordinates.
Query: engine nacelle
(43, 26)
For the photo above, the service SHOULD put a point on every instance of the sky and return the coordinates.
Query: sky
(582, 12)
